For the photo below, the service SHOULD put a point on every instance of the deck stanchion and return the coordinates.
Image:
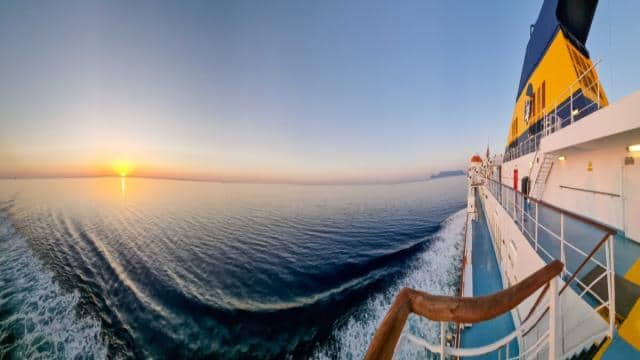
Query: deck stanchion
(571, 105)
(611, 284)
(523, 205)
(507, 353)
(537, 227)
(442, 340)
(562, 255)
(553, 320)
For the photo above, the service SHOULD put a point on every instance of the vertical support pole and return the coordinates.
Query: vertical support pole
(442, 340)
(562, 255)
(570, 105)
(522, 207)
(555, 114)
(537, 206)
(513, 200)
(611, 285)
(507, 354)
(553, 320)
(598, 90)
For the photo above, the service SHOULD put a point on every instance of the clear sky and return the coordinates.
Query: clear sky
(323, 91)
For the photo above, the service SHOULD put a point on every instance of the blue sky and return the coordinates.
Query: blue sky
(325, 91)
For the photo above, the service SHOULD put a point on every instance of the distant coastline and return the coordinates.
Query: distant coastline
(447, 173)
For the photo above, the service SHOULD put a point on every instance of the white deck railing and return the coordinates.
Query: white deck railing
(585, 247)
(554, 234)
(548, 343)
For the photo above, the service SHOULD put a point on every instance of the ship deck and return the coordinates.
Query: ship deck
(487, 279)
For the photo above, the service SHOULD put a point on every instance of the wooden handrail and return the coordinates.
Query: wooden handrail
(466, 310)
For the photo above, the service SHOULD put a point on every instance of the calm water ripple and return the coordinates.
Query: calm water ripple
(168, 269)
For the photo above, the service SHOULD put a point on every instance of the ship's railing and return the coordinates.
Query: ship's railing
(586, 247)
(583, 97)
(470, 310)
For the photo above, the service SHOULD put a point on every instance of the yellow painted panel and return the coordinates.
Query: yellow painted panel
(630, 328)
(633, 274)
(558, 72)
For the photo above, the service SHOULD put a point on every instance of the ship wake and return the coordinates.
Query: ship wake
(435, 270)
(38, 319)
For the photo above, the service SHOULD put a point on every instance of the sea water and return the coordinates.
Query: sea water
(139, 268)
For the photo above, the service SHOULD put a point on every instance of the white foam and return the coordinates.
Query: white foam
(435, 271)
(42, 318)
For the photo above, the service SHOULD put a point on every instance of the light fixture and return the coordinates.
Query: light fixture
(562, 158)
(575, 112)
(634, 148)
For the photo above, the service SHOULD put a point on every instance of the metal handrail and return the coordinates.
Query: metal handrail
(517, 213)
(467, 310)
(503, 343)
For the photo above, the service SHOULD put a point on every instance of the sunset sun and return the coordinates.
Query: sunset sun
(122, 167)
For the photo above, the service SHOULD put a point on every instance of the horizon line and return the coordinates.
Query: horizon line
(263, 182)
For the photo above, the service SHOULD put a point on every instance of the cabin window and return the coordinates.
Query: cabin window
(533, 105)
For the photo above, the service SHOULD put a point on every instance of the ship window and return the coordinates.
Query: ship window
(533, 105)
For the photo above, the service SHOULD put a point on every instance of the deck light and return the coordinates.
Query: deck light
(575, 112)
(562, 158)
(634, 148)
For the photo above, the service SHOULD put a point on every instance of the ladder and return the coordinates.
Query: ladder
(542, 176)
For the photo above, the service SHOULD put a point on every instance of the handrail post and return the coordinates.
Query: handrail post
(537, 206)
(553, 320)
(571, 104)
(611, 284)
(513, 199)
(598, 90)
(522, 207)
(507, 353)
(442, 340)
(562, 255)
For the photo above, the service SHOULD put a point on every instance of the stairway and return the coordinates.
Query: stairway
(542, 176)
(589, 353)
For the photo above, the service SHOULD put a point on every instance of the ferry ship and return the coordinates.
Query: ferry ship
(551, 263)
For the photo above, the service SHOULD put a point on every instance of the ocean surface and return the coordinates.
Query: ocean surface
(141, 268)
